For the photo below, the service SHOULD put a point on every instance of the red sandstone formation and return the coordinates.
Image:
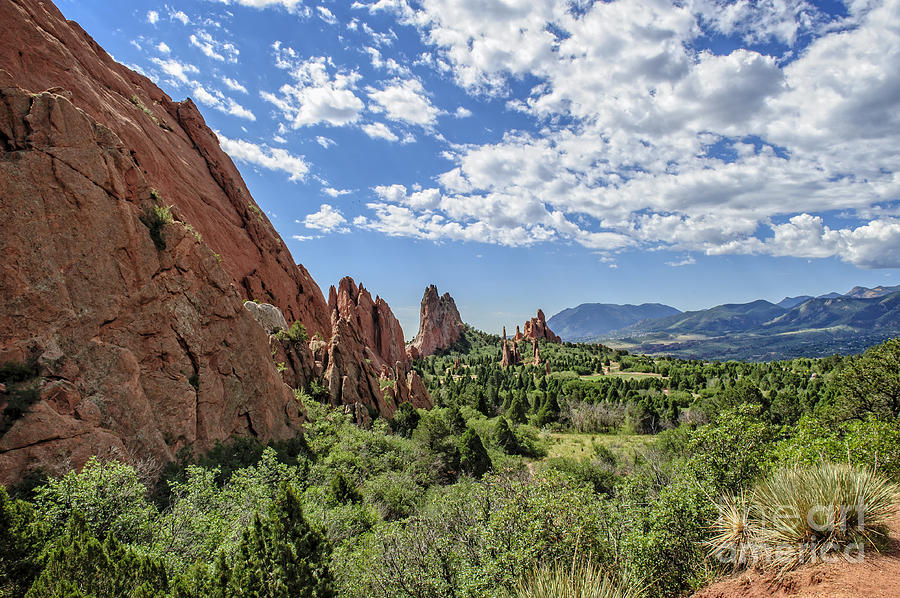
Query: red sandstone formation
(141, 350)
(509, 351)
(145, 350)
(537, 329)
(378, 326)
(367, 343)
(439, 324)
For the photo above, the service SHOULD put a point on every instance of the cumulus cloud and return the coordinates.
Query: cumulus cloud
(264, 156)
(320, 93)
(326, 15)
(327, 220)
(152, 17)
(213, 48)
(648, 139)
(178, 71)
(177, 15)
(163, 48)
(216, 99)
(405, 100)
(293, 6)
(332, 192)
(379, 131)
(325, 142)
(233, 85)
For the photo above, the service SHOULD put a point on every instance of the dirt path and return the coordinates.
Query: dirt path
(878, 576)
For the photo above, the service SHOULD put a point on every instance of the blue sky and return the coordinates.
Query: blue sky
(546, 153)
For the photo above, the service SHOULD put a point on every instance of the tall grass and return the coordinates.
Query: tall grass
(579, 580)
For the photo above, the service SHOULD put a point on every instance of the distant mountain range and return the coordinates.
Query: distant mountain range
(592, 320)
(802, 326)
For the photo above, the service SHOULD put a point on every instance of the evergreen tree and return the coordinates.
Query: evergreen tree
(79, 565)
(516, 412)
(405, 420)
(505, 438)
(342, 491)
(474, 459)
(18, 547)
(280, 556)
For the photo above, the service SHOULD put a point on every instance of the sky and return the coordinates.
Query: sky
(525, 154)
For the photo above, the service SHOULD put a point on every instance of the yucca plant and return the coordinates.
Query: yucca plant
(732, 541)
(800, 515)
(578, 580)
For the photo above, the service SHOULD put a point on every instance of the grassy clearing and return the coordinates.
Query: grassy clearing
(574, 445)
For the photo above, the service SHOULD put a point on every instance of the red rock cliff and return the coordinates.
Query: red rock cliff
(143, 351)
(439, 324)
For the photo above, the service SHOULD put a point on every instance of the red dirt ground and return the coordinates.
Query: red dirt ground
(878, 576)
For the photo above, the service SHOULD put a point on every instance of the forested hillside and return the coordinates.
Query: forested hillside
(625, 465)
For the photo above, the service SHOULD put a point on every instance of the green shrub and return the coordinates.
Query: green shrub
(108, 495)
(405, 420)
(156, 218)
(295, 334)
(280, 556)
(18, 546)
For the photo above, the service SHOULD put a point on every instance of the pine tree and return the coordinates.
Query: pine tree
(280, 556)
(516, 412)
(505, 437)
(474, 459)
(78, 564)
(18, 547)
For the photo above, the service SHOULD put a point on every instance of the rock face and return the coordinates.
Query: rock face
(140, 350)
(268, 316)
(509, 351)
(376, 323)
(439, 324)
(367, 348)
(145, 347)
(536, 329)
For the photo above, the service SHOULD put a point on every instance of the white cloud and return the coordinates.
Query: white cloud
(462, 112)
(163, 48)
(379, 131)
(179, 16)
(179, 71)
(332, 192)
(216, 99)
(647, 140)
(233, 85)
(293, 6)
(405, 100)
(264, 156)
(317, 96)
(326, 15)
(686, 261)
(152, 17)
(213, 48)
(304, 237)
(325, 142)
(327, 220)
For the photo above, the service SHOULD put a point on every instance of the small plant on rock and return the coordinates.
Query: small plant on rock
(156, 218)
